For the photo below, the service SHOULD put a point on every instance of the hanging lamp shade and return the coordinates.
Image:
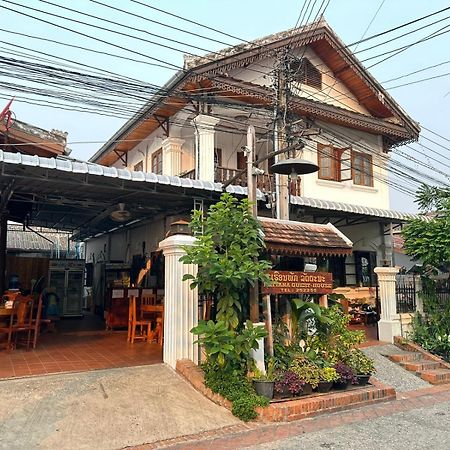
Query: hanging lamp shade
(294, 167)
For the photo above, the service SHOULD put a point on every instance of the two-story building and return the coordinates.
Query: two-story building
(196, 126)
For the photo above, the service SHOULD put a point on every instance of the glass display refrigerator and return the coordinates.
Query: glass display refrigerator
(66, 278)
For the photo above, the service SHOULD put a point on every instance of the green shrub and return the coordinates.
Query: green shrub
(306, 370)
(359, 362)
(237, 388)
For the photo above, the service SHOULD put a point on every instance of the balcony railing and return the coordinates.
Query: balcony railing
(265, 182)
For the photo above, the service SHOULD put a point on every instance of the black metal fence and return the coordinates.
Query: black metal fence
(405, 292)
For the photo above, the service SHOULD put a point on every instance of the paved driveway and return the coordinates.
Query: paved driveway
(104, 409)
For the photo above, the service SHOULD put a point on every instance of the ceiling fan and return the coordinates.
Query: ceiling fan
(121, 214)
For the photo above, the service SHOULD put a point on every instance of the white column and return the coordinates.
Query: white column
(204, 142)
(171, 151)
(180, 302)
(389, 324)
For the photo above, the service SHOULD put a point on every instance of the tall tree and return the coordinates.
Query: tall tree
(427, 238)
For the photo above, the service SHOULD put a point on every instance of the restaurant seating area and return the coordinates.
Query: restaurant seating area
(32, 346)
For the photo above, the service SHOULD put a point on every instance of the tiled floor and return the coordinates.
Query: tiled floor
(70, 349)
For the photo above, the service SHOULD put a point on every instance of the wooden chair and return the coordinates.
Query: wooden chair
(23, 319)
(134, 322)
(156, 311)
(6, 325)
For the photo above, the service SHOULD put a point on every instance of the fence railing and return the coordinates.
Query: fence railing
(405, 292)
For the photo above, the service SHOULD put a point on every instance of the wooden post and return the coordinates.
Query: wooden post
(268, 317)
(3, 235)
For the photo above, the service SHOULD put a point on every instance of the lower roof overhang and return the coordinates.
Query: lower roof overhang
(79, 197)
(291, 238)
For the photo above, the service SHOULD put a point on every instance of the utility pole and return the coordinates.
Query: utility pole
(251, 195)
(281, 106)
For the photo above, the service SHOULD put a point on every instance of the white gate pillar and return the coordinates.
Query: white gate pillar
(180, 302)
(389, 323)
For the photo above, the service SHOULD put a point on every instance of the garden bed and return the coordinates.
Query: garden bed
(283, 410)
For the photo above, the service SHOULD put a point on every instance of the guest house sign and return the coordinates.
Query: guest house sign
(285, 282)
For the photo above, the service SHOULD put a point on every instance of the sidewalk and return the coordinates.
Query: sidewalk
(103, 409)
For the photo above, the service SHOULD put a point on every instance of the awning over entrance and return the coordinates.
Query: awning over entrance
(79, 197)
(285, 237)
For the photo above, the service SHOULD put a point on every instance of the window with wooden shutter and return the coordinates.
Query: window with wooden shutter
(139, 167)
(328, 162)
(305, 72)
(157, 162)
(362, 170)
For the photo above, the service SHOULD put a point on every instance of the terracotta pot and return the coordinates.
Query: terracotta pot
(341, 385)
(264, 388)
(324, 386)
(363, 379)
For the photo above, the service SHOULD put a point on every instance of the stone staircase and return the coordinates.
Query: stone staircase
(428, 368)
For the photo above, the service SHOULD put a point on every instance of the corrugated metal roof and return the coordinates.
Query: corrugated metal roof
(349, 208)
(289, 237)
(47, 240)
(67, 165)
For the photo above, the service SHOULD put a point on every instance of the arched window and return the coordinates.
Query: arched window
(305, 72)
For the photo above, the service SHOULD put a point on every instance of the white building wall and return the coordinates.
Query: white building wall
(346, 191)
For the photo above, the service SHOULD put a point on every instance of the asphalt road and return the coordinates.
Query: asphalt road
(423, 428)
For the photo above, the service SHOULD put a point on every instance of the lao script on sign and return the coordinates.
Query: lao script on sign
(285, 282)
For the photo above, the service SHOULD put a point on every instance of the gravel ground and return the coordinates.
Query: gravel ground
(391, 373)
(423, 428)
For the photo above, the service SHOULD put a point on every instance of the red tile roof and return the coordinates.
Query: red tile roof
(285, 237)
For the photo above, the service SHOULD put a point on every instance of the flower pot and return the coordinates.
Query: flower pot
(307, 389)
(284, 392)
(324, 386)
(341, 385)
(264, 388)
(363, 379)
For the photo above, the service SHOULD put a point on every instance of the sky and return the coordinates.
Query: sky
(427, 102)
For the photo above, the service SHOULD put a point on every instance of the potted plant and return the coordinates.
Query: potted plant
(307, 371)
(264, 383)
(346, 376)
(289, 385)
(361, 364)
(327, 377)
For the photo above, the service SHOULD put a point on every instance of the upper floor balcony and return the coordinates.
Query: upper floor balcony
(265, 182)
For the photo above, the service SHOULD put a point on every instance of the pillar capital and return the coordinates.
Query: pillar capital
(176, 243)
(387, 273)
(172, 144)
(205, 123)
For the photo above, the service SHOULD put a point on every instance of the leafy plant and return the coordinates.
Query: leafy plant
(306, 370)
(290, 381)
(270, 374)
(360, 362)
(234, 386)
(431, 330)
(334, 338)
(227, 348)
(304, 314)
(328, 374)
(429, 240)
(345, 373)
(227, 248)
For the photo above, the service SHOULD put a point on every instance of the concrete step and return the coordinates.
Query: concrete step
(436, 376)
(421, 365)
(406, 356)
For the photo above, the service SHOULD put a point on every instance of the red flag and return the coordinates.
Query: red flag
(7, 114)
